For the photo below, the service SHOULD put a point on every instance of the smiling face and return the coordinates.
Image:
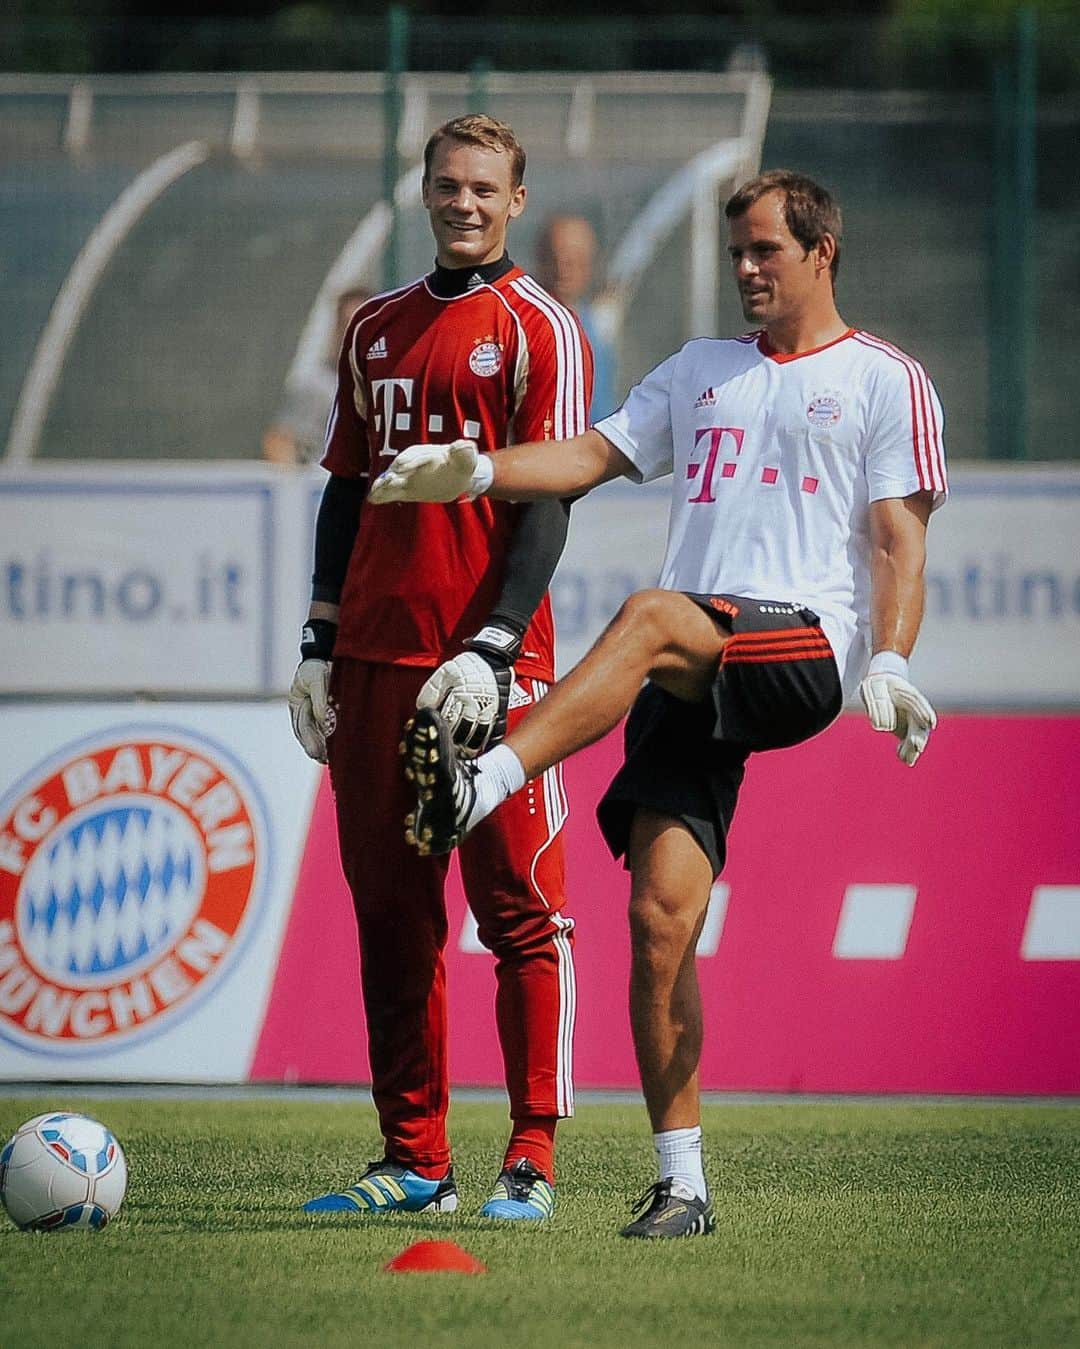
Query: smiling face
(779, 280)
(470, 199)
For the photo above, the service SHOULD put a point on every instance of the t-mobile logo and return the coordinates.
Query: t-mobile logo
(394, 412)
(704, 470)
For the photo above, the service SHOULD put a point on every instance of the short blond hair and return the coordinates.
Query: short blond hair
(476, 128)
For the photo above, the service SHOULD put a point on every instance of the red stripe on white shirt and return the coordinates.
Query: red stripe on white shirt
(926, 439)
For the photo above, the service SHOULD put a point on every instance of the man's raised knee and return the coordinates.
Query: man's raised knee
(651, 606)
(673, 640)
(653, 617)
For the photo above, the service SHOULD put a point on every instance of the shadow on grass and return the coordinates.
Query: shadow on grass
(263, 1220)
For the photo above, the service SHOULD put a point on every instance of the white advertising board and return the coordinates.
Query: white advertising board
(1002, 624)
(148, 860)
(193, 580)
(187, 579)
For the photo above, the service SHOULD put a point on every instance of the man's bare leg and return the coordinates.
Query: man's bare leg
(670, 882)
(671, 878)
(657, 634)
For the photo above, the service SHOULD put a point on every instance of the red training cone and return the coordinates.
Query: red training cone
(429, 1257)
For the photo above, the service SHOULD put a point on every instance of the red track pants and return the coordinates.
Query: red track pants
(513, 872)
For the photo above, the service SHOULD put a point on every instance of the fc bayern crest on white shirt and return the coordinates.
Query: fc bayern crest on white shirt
(824, 409)
(131, 872)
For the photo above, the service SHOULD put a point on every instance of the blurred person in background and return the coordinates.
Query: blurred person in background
(566, 255)
(297, 434)
(447, 605)
(806, 459)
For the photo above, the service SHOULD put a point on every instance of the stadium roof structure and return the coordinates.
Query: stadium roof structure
(179, 241)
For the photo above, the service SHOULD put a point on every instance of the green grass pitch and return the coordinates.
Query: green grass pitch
(838, 1224)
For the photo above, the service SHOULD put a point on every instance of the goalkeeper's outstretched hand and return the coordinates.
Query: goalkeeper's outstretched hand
(894, 704)
(428, 473)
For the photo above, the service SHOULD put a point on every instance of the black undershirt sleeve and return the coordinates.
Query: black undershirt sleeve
(335, 534)
(531, 559)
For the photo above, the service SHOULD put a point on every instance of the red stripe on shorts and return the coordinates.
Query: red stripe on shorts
(810, 653)
(784, 644)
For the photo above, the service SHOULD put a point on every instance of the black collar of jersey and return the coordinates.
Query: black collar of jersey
(448, 282)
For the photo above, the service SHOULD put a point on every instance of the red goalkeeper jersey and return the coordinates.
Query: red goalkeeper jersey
(502, 363)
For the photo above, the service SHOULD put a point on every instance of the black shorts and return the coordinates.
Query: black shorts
(777, 685)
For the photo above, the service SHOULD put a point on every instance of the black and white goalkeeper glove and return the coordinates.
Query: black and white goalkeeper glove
(309, 699)
(472, 691)
(894, 704)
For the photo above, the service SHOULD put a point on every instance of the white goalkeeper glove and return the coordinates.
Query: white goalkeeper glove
(309, 700)
(894, 704)
(434, 473)
(472, 691)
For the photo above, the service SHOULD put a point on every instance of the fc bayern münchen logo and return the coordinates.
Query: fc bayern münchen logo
(486, 359)
(128, 872)
(824, 410)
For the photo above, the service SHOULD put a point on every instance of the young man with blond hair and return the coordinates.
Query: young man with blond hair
(447, 605)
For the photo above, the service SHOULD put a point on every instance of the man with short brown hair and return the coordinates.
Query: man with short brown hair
(810, 213)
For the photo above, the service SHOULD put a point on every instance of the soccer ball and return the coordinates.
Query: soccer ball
(60, 1171)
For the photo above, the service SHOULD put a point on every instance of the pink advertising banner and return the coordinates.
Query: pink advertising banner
(876, 929)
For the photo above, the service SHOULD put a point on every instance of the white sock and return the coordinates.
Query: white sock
(678, 1156)
(499, 774)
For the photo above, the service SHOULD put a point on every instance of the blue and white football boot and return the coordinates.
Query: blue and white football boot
(386, 1187)
(521, 1192)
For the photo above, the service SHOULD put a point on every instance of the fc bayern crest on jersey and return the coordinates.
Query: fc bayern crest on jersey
(486, 358)
(129, 873)
(824, 409)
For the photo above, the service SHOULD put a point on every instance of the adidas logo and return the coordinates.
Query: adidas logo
(475, 280)
(707, 399)
(377, 351)
(518, 696)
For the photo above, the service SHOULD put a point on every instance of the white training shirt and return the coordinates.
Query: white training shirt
(775, 460)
